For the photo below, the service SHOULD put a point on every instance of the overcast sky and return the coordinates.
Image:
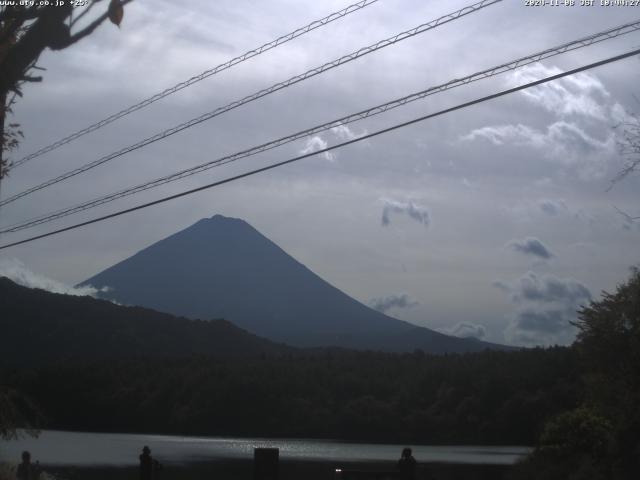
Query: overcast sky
(493, 221)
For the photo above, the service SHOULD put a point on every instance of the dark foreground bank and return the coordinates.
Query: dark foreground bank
(289, 470)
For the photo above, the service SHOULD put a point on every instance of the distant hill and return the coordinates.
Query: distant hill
(39, 327)
(224, 268)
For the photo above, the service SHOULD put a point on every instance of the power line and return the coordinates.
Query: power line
(334, 147)
(197, 78)
(512, 65)
(255, 96)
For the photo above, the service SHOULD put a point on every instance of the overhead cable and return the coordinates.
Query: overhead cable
(250, 98)
(328, 149)
(197, 78)
(505, 67)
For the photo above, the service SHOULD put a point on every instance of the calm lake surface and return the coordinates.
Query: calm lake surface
(120, 450)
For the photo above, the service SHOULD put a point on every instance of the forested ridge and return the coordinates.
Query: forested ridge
(490, 397)
(92, 365)
(39, 327)
(577, 404)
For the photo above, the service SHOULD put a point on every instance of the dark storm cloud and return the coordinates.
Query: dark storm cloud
(416, 212)
(548, 288)
(545, 306)
(549, 321)
(531, 246)
(552, 207)
(500, 285)
(384, 304)
(466, 330)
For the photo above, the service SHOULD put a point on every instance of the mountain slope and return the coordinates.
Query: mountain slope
(41, 327)
(223, 268)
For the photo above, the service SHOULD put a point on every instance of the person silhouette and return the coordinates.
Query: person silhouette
(146, 464)
(407, 465)
(149, 467)
(26, 470)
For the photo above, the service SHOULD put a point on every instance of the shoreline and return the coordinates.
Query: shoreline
(242, 469)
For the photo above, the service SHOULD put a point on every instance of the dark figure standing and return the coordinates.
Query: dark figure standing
(407, 465)
(148, 466)
(26, 470)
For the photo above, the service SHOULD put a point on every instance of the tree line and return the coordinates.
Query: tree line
(481, 398)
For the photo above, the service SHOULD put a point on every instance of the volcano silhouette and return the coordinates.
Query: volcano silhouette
(222, 267)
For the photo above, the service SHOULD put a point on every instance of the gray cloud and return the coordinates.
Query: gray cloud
(384, 304)
(343, 132)
(549, 288)
(552, 207)
(564, 142)
(297, 206)
(17, 272)
(535, 326)
(466, 330)
(581, 94)
(548, 321)
(416, 212)
(545, 307)
(500, 285)
(315, 143)
(340, 133)
(629, 222)
(583, 108)
(631, 226)
(531, 246)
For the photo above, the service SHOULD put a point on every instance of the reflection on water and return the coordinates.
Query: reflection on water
(112, 449)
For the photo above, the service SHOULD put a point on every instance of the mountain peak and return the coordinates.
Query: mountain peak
(218, 220)
(206, 229)
(222, 219)
(222, 267)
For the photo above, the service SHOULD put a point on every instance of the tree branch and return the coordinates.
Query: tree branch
(10, 29)
(29, 78)
(628, 146)
(30, 13)
(44, 32)
(88, 30)
(83, 13)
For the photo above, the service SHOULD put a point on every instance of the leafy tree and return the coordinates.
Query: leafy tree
(576, 431)
(609, 336)
(25, 32)
(629, 146)
(601, 439)
(609, 344)
(17, 411)
(572, 446)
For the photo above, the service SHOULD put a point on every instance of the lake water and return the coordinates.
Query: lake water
(119, 450)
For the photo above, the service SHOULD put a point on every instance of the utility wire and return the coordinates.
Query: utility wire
(509, 66)
(195, 79)
(274, 88)
(334, 147)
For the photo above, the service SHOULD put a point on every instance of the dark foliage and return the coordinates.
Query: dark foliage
(26, 30)
(40, 327)
(93, 365)
(17, 413)
(491, 397)
(609, 347)
(601, 439)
